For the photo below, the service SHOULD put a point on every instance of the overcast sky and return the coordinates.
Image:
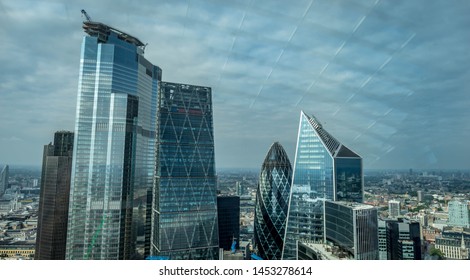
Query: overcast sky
(390, 79)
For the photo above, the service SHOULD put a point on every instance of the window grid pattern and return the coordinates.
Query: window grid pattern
(272, 201)
(185, 206)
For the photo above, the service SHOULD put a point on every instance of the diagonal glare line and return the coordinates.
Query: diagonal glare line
(338, 51)
(287, 43)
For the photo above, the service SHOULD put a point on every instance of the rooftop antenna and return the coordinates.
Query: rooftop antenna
(88, 18)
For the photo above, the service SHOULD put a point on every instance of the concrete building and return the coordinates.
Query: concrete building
(459, 213)
(394, 208)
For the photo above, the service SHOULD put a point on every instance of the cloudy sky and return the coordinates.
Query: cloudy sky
(388, 78)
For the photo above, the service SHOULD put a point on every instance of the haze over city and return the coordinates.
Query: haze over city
(387, 78)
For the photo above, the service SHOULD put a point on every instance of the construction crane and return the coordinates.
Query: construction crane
(88, 18)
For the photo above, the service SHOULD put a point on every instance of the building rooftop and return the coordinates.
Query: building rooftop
(102, 31)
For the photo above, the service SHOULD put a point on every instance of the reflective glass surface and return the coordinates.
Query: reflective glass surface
(185, 206)
(272, 200)
(114, 147)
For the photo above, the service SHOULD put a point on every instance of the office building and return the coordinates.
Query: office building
(54, 198)
(420, 196)
(272, 201)
(228, 213)
(114, 146)
(394, 207)
(399, 239)
(4, 179)
(353, 227)
(459, 213)
(324, 169)
(185, 206)
(454, 243)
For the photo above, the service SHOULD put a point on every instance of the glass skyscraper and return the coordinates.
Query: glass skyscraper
(185, 206)
(228, 213)
(324, 169)
(272, 201)
(353, 227)
(4, 173)
(114, 143)
(54, 198)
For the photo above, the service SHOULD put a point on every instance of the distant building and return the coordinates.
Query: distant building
(320, 251)
(394, 207)
(353, 227)
(17, 250)
(420, 195)
(393, 233)
(324, 169)
(54, 198)
(459, 213)
(272, 201)
(4, 174)
(454, 243)
(228, 213)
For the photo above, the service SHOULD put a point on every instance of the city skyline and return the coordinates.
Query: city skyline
(388, 78)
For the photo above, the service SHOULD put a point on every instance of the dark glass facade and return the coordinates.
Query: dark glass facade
(185, 206)
(353, 227)
(272, 201)
(401, 238)
(54, 198)
(113, 160)
(324, 169)
(228, 209)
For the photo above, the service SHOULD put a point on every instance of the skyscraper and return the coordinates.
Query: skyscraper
(185, 206)
(4, 179)
(324, 169)
(228, 213)
(272, 200)
(114, 143)
(54, 198)
(401, 239)
(353, 227)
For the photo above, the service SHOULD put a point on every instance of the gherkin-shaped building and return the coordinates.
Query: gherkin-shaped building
(272, 201)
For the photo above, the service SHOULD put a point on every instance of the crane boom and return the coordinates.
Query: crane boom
(86, 15)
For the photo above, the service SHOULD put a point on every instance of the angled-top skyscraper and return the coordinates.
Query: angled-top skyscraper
(114, 143)
(272, 201)
(185, 206)
(324, 169)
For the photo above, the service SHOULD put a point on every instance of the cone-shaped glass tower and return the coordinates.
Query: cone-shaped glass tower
(272, 200)
(324, 169)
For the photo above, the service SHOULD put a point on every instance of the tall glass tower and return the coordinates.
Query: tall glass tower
(324, 169)
(185, 206)
(4, 173)
(272, 201)
(54, 198)
(114, 144)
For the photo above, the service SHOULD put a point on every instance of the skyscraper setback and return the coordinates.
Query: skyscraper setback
(114, 144)
(324, 169)
(54, 198)
(185, 206)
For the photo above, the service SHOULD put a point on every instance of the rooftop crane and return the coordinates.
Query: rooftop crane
(88, 18)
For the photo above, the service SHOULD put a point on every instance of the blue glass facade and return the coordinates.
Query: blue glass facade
(272, 201)
(114, 144)
(324, 169)
(185, 206)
